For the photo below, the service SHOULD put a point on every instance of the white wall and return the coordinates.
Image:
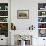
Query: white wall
(23, 24)
(32, 6)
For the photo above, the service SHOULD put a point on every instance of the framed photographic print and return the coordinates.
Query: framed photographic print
(42, 32)
(22, 14)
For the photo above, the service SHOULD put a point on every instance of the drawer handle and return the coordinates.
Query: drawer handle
(43, 39)
(1, 39)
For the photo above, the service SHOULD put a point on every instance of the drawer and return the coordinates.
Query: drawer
(3, 41)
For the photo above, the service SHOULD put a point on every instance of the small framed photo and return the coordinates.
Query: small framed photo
(6, 7)
(22, 14)
(42, 33)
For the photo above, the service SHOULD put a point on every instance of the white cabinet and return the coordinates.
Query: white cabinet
(3, 40)
(41, 41)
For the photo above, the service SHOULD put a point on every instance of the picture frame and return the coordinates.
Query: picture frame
(22, 14)
(42, 33)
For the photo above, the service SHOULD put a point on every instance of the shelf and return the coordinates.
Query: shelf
(3, 16)
(3, 22)
(41, 28)
(42, 16)
(41, 10)
(41, 22)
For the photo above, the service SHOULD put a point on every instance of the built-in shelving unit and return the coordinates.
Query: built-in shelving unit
(42, 19)
(4, 19)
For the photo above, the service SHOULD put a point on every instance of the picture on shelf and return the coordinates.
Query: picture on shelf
(6, 7)
(41, 13)
(42, 33)
(3, 6)
(41, 6)
(41, 25)
(41, 19)
(22, 14)
(3, 19)
(3, 26)
(4, 29)
(3, 13)
(0, 7)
